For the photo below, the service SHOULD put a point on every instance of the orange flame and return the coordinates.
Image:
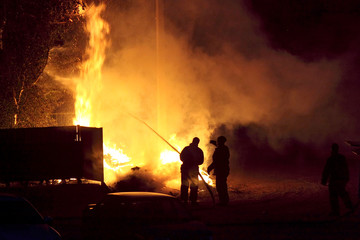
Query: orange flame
(88, 95)
(90, 77)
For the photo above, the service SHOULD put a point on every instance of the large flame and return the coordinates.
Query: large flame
(89, 83)
(118, 159)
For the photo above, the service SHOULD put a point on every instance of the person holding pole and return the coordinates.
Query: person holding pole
(192, 156)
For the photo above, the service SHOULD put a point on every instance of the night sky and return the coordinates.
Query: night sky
(310, 29)
(315, 30)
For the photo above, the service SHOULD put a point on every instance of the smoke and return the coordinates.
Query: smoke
(207, 69)
(215, 67)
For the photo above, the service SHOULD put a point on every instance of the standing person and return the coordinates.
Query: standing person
(336, 173)
(221, 166)
(191, 156)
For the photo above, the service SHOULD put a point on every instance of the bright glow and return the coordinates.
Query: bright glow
(206, 177)
(115, 159)
(168, 156)
(94, 106)
(89, 83)
(81, 9)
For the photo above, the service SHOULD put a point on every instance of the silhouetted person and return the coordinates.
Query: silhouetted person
(191, 156)
(221, 166)
(336, 173)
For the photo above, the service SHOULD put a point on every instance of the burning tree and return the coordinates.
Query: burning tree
(29, 30)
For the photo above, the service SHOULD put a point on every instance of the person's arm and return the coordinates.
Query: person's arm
(212, 165)
(210, 168)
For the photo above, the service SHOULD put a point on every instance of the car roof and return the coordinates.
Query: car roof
(12, 197)
(139, 195)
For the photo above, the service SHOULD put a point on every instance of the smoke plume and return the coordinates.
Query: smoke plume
(207, 68)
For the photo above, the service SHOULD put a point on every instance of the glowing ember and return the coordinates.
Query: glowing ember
(81, 9)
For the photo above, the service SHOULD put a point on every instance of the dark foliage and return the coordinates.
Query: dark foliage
(30, 28)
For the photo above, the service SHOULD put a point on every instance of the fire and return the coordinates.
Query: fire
(168, 157)
(115, 161)
(206, 177)
(89, 112)
(89, 83)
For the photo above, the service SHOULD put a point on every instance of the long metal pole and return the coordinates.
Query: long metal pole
(202, 178)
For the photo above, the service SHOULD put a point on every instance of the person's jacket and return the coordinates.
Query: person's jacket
(335, 170)
(220, 162)
(191, 156)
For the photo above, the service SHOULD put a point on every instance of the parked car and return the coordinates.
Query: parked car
(20, 220)
(141, 215)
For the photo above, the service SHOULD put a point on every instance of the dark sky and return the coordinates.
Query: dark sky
(317, 29)
(310, 29)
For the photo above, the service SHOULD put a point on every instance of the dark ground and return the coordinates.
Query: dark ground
(275, 209)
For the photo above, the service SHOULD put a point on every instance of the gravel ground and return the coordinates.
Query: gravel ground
(259, 209)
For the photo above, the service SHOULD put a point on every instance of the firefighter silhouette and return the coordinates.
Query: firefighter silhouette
(220, 165)
(191, 156)
(336, 173)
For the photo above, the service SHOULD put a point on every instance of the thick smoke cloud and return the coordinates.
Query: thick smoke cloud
(214, 68)
(218, 67)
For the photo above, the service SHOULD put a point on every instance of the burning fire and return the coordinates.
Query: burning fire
(89, 113)
(90, 78)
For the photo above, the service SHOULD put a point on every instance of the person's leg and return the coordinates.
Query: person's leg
(193, 194)
(334, 199)
(225, 193)
(345, 197)
(221, 188)
(194, 182)
(184, 187)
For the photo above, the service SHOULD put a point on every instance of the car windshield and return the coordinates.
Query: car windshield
(18, 212)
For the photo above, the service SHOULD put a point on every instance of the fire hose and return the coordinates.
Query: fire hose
(202, 178)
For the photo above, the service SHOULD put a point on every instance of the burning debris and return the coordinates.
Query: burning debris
(135, 168)
(138, 180)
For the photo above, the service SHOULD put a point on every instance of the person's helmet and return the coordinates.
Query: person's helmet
(221, 140)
